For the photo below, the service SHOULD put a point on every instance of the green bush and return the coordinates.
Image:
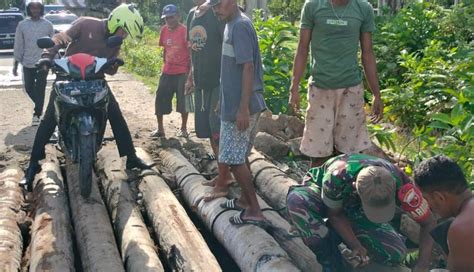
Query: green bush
(277, 41)
(425, 62)
(144, 58)
(289, 10)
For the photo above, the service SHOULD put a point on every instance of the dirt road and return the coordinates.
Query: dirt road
(135, 99)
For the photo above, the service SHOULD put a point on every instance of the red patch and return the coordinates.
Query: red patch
(82, 61)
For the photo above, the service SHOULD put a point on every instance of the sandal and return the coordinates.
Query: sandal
(157, 134)
(182, 133)
(238, 220)
(293, 232)
(231, 204)
(210, 156)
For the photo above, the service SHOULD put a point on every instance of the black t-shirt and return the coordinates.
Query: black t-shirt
(205, 34)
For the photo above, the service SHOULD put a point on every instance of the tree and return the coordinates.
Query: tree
(289, 9)
(4, 4)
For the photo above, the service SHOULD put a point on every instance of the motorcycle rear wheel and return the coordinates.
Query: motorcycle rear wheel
(86, 163)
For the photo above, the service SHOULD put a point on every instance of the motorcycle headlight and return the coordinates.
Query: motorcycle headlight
(100, 94)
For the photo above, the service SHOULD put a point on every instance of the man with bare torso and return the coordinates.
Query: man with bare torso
(445, 188)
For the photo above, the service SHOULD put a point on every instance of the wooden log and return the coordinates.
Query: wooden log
(51, 241)
(252, 248)
(94, 235)
(179, 239)
(272, 184)
(136, 245)
(301, 255)
(11, 199)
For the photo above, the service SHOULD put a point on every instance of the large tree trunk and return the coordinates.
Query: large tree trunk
(271, 182)
(51, 241)
(179, 239)
(94, 234)
(251, 247)
(136, 245)
(11, 199)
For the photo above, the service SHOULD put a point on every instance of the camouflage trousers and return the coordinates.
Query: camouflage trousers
(307, 211)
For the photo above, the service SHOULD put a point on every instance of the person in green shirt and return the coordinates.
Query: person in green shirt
(335, 118)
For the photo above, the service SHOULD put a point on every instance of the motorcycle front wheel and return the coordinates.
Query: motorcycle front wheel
(86, 163)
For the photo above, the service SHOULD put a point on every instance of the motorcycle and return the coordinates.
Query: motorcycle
(81, 106)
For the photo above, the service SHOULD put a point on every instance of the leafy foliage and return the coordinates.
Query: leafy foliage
(425, 61)
(149, 9)
(277, 40)
(4, 4)
(289, 10)
(145, 57)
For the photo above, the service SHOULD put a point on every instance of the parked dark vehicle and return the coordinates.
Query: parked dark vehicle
(61, 20)
(81, 107)
(8, 22)
(49, 8)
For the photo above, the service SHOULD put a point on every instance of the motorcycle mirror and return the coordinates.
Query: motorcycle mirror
(45, 42)
(114, 41)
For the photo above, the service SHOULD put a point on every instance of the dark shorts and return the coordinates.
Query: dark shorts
(206, 119)
(167, 87)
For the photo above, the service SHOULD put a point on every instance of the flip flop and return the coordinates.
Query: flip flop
(238, 220)
(210, 156)
(213, 195)
(292, 232)
(231, 204)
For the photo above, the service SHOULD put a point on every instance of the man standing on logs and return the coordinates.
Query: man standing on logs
(358, 194)
(445, 187)
(241, 103)
(335, 118)
(205, 35)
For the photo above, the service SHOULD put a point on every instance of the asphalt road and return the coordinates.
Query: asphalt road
(6, 63)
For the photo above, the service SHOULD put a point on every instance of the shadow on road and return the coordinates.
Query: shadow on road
(22, 141)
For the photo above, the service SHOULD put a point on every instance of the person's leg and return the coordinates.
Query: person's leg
(384, 245)
(318, 139)
(29, 82)
(163, 99)
(233, 151)
(224, 179)
(201, 113)
(122, 135)
(180, 102)
(161, 127)
(248, 199)
(44, 132)
(119, 128)
(40, 87)
(306, 212)
(351, 134)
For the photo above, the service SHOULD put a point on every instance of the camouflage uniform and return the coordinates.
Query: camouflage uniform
(332, 186)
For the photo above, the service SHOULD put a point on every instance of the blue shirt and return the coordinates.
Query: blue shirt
(240, 46)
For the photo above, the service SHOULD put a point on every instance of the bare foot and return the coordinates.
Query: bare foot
(216, 193)
(212, 182)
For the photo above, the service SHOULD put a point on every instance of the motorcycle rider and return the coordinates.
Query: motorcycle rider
(89, 35)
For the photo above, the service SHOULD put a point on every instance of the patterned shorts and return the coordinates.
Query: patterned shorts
(235, 145)
(335, 119)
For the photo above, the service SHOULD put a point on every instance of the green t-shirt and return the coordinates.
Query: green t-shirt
(335, 40)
